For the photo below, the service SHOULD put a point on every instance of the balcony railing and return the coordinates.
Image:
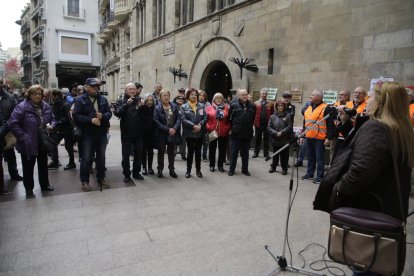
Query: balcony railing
(122, 9)
(26, 60)
(25, 43)
(24, 27)
(37, 72)
(75, 13)
(37, 51)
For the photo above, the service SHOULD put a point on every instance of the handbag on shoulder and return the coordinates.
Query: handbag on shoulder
(369, 241)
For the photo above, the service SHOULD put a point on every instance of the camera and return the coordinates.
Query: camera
(350, 111)
(136, 99)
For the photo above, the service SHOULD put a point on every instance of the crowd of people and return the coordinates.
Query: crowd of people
(187, 124)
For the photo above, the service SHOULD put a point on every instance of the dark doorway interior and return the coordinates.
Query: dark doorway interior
(217, 78)
(70, 75)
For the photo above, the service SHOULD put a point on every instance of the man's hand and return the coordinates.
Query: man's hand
(130, 101)
(196, 128)
(172, 131)
(99, 115)
(327, 143)
(96, 121)
(48, 126)
(278, 134)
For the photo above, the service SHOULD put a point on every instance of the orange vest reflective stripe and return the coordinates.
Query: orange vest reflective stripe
(360, 108)
(317, 131)
(412, 113)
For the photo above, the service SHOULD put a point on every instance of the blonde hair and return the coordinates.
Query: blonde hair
(164, 91)
(392, 110)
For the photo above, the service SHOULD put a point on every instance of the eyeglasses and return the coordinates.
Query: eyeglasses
(36, 94)
(180, 98)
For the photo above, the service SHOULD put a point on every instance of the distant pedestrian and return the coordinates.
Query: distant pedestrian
(149, 134)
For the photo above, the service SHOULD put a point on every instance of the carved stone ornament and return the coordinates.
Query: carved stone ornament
(169, 46)
(197, 41)
(239, 27)
(216, 25)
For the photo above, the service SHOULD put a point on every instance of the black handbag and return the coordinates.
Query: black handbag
(369, 241)
(77, 134)
(46, 141)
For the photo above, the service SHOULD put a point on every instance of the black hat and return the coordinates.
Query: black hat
(286, 94)
(93, 81)
(138, 85)
(181, 90)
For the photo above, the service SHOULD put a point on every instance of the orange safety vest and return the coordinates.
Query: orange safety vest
(360, 108)
(317, 131)
(412, 113)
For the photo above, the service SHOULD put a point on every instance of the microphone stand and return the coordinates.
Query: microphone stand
(281, 260)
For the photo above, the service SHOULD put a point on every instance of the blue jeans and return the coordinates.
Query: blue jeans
(242, 146)
(302, 151)
(368, 273)
(93, 144)
(316, 151)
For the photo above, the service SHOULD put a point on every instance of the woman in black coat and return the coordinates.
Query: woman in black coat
(280, 127)
(149, 129)
(167, 133)
(3, 131)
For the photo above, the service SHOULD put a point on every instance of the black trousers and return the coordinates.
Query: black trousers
(10, 157)
(222, 144)
(205, 146)
(147, 156)
(242, 146)
(259, 132)
(170, 152)
(194, 148)
(54, 155)
(284, 157)
(1, 172)
(127, 144)
(28, 163)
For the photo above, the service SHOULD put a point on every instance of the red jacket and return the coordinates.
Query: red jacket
(269, 112)
(221, 126)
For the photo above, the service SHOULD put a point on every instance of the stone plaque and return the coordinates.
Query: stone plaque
(296, 96)
(169, 46)
(238, 27)
(216, 26)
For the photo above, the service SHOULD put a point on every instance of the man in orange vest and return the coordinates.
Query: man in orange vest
(359, 102)
(410, 92)
(319, 132)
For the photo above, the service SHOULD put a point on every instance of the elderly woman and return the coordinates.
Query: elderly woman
(149, 129)
(218, 120)
(27, 120)
(167, 133)
(280, 127)
(194, 120)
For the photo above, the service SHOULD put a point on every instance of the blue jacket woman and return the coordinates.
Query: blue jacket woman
(167, 133)
(194, 119)
(25, 122)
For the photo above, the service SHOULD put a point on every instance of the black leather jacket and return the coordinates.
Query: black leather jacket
(131, 116)
(242, 119)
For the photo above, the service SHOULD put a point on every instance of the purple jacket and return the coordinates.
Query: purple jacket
(24, 122)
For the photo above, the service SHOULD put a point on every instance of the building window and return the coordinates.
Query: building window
(216, 5)
(270, 57)
(184, 12)
(141, 22)
(158, 17)
(73, 8)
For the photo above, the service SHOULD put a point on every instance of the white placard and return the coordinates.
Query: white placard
(330, 96)
(272, 93)
(382, 79)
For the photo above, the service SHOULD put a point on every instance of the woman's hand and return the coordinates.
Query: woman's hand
(172, 131)
(196, 128)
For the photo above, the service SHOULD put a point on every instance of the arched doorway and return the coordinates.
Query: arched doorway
(216, 78)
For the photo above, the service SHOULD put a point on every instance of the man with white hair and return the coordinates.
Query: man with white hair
(130, 112)
(359, 103)
(319, 132)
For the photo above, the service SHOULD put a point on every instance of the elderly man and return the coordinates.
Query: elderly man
(264, 109)
(242, 113)
(344, 96)
(92, 114)
(290, 108)
(319, 132)
(130, 112)
(156, 94)
(359, 102)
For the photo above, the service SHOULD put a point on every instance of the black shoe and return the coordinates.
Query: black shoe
(138, 176)
(199, 174)
(144, 172)
(284, 172)
(53, 166)
(266, 155)
(29, 194)
(246, 173)
(184, 158)
(17, 177)
(173, 174)
(212, 169)
(188, 174)
(127, 179)
(205, 159)
(70, 166)
(255, 155)
(299, 164)
(159, 174)
(272, 170)
(230, 173)
(150, 171)
(221, 169)
(48, 188)
(5, 192)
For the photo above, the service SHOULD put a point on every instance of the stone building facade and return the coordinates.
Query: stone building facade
(296, 44)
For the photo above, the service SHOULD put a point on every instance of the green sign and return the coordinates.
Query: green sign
(330, 96)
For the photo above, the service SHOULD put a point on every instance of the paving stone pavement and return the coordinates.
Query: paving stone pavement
(216, 225)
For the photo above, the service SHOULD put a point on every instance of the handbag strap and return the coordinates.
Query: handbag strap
(397, 178)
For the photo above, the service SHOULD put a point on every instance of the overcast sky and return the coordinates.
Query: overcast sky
(11, 11)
